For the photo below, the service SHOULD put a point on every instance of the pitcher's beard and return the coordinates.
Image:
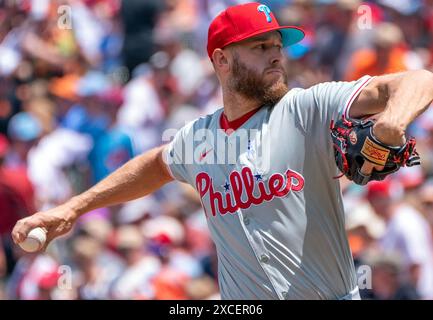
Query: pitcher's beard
(252, 85)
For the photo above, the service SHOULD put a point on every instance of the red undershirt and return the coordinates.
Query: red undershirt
(230, 126)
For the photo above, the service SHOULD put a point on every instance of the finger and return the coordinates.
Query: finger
(51, 235)
(22, 229)
(367, 168)
(18, 233)
(379, 168)
(47, 242)
(15, 235)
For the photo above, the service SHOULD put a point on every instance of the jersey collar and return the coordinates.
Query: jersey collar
(230, 126)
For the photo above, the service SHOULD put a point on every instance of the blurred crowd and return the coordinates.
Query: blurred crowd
(85, 85)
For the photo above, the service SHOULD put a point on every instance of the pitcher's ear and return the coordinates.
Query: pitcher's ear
(220, 60)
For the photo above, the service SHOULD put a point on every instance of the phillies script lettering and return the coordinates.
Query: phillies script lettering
(242, 186)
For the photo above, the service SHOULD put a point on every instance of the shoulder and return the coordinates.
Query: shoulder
(288, 99)
(302, 96)
(291, 94)
(209, 121)
(324, 93)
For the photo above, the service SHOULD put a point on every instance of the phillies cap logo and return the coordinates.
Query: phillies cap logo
(265, 9)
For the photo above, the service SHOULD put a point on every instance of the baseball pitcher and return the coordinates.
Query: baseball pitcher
(265, 164)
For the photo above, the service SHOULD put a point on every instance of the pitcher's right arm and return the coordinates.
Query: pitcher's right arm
(138, 177)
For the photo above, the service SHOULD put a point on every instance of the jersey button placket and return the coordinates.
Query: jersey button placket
(264, 258)
(246, 221)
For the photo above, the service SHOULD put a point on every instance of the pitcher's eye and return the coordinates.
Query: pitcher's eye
(260, 46)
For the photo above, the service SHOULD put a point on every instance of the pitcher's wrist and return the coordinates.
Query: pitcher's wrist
(389, 133)
(75, 207)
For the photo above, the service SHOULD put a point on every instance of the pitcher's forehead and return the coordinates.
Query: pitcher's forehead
(265, 36)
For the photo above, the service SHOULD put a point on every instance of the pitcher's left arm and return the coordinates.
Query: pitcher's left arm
(399, 98)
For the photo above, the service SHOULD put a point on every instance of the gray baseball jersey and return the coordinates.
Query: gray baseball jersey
(273, 209)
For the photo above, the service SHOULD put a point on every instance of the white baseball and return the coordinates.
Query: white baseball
(35, 240)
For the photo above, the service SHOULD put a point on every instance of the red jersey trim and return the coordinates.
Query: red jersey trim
(354, 96)
(233, 125)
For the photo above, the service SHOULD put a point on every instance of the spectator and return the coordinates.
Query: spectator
(386, 56)
(139, 19)
(386, 279)
(140, 268)
(16, 202)
(407, 234)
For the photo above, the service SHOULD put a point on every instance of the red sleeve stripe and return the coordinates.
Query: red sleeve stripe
(354, 95)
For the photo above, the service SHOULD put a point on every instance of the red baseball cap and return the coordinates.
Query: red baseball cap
(388, 188)
(379, 189)
(244, 21)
